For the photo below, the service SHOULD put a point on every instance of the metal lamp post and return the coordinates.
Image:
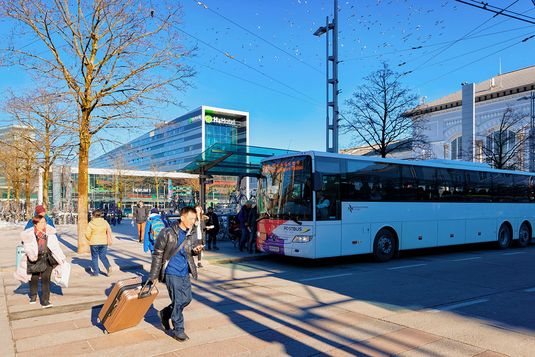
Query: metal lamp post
(332, 81)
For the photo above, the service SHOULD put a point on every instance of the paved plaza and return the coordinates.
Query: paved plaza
(470, 301)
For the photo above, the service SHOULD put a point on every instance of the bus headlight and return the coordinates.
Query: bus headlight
(302, 239)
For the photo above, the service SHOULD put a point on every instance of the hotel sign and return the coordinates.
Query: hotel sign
(214, 119)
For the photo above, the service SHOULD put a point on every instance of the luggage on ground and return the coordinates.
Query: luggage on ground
(127, 304)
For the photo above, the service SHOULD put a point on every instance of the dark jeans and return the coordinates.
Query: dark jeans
(179, 288)
(252, 241)
(99, 251)
(212, 239)
(45, 284)
(244, 238)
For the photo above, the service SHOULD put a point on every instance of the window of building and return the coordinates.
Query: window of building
(457, 148)
(500, 140)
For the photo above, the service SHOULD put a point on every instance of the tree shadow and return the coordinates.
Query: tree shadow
(67, 244)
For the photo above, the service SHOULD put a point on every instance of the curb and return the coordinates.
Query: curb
(237, 259)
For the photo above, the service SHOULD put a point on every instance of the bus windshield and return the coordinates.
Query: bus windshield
(285, 188)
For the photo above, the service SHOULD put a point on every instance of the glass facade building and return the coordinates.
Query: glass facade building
(172, 145)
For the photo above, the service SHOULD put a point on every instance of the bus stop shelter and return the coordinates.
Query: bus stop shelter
(229, 160)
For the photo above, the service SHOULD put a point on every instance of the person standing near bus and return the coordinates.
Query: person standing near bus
(140, 215)
(252, 220)
(212, 228)
(242, 217)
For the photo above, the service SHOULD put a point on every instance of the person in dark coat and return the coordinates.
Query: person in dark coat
(140, 215)
(173, 266)
(252, 219)
(243, 219)
(212, 228)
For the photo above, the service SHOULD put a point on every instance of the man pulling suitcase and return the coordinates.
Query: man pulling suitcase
(172, 262)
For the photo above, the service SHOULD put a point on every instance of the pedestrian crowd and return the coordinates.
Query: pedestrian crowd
(172, 245)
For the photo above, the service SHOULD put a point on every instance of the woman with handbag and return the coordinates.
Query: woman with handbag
(43, 254)
(99, 235)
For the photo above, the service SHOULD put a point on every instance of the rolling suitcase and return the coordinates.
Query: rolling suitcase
(127, 304)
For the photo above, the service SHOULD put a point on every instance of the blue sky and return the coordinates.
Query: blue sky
(458, 43)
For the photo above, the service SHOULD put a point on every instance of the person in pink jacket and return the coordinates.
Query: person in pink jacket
(41, 245)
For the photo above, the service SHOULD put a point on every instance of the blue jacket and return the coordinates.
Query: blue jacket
(48, 221)
(148, 238)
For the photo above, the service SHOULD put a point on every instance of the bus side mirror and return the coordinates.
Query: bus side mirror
(317, 180)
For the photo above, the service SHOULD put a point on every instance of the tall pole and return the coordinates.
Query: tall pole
(335, 77)
(328, 126)
(332, 81)
(532, 134)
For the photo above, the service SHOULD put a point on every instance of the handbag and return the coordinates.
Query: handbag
(38, 266)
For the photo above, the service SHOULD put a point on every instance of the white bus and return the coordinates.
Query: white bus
(316, 205)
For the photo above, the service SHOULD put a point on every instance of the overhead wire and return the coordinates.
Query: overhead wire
(445, 48)
(477, 60)
(228, 55)
(203, 5)
(414, 48)
(252, 82)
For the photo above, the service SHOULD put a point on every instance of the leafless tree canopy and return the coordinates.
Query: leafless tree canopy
(115, 57)
(48, 127)
(376, 114)
(17, 163)
(504, 147)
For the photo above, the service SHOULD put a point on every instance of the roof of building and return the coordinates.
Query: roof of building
(517, 81)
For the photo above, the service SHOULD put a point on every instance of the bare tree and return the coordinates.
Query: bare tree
(49, 127)
(115, 57)
(377, 114)
(18, 161)
(504, 147)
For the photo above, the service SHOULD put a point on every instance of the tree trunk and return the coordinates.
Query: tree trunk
(83, 181)
(27, 178)
(45, 187)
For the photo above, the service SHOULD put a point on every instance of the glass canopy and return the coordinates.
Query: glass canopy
(231, 160)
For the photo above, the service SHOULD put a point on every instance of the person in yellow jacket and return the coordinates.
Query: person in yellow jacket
(99, 235)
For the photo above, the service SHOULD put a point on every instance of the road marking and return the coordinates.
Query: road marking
(462, 260)
(530, 290)
(455, 306)
(326, 277)
(514, 253)
(407, 266)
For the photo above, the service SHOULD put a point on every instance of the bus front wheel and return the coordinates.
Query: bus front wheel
(384, 245)
(504, 237)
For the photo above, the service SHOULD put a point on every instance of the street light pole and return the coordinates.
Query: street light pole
(332, 82)
(532, 134)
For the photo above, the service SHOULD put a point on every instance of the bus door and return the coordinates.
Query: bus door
(328, 208)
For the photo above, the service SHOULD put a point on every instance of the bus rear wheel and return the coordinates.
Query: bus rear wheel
(384, 245)
(524, 235)
(504, 237)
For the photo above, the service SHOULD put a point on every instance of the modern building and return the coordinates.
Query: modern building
(464, 125)
(172, 145)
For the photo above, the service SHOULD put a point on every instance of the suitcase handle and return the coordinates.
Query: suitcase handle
(142, 293)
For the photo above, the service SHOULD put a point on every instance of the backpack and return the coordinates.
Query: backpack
(156, 226)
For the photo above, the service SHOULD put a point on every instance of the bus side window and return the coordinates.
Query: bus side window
(330, 192)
